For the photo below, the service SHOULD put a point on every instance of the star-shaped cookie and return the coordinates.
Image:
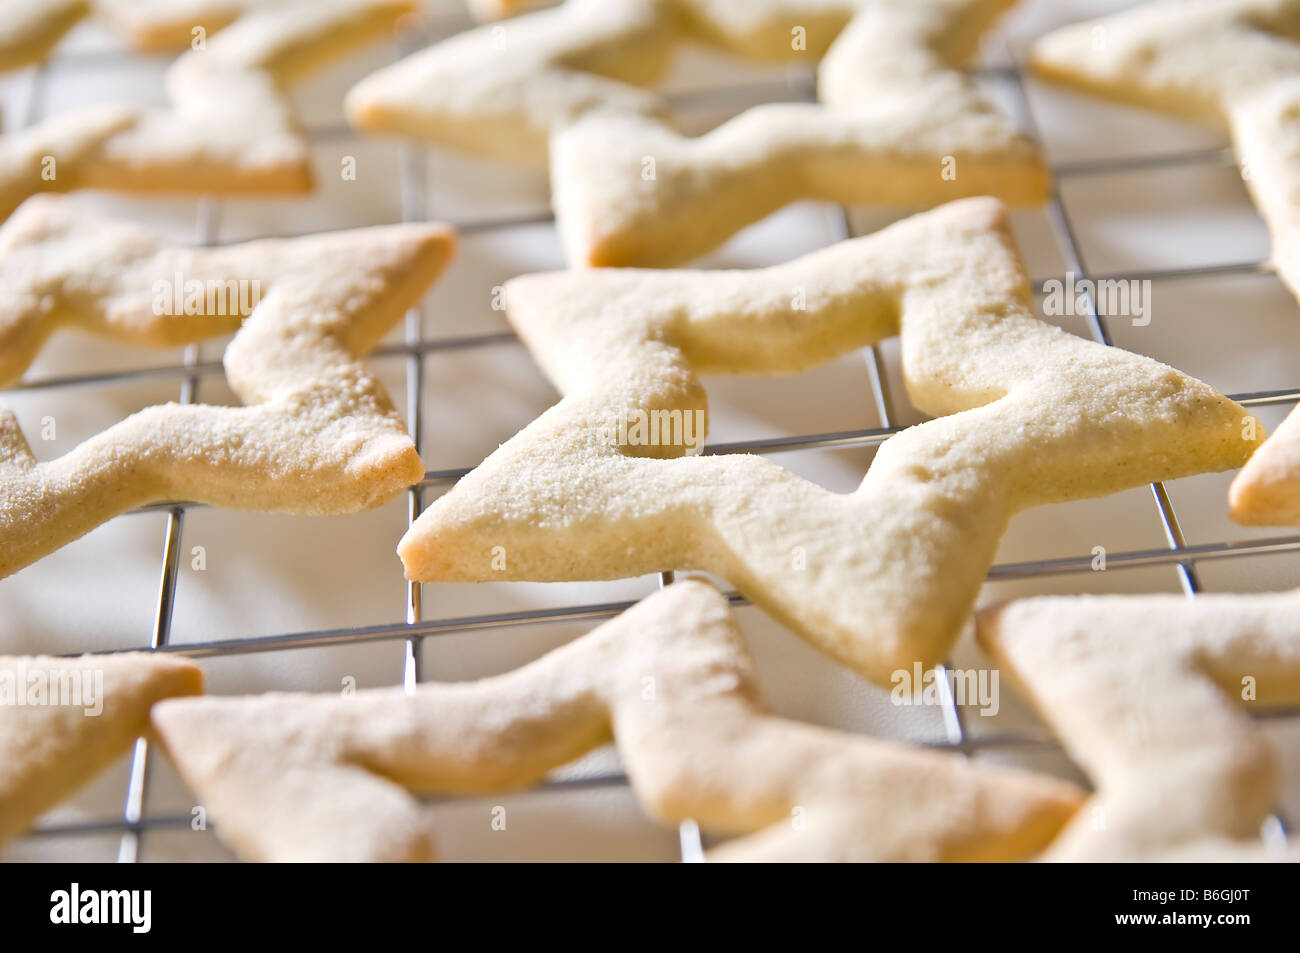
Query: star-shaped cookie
(602, 485)
(63, 720)
(29, 29)
(293, 777)
(897, 123)
(318, 434)
(170, 24)
(1267, 490)
(229, 128)
(1234, 64)
(1148, 695)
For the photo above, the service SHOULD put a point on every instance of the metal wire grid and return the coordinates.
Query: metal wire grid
(135, 821)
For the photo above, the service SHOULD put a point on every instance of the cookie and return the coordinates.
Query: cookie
(500, 90)
(229, 129)
(170, 24)
(1233, 64)
(1148, 694)
(896, 124)
(63, 720)
(318, 432)
(609, 484)
(1267, 490)
(500, 9)
(296, 777)
(29, 29)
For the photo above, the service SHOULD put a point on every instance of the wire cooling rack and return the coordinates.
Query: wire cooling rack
(134, 822)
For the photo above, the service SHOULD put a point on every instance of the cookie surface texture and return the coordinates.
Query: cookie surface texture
(609, 483)
(897, 122)
(320, 777)
(1150, 695)
(318, 432)
(1234, 64)
(229, 128)
(63, 720)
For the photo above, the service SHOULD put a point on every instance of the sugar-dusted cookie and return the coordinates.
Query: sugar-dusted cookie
(897, 123)
(63, 720)
(1267, 491)
(170, 24)
(1148, 694)
(29, 29)
(499, 9)
(1235, 64)
(319, 433)
(294, 777)
(228, 130)
(501, 90)
(601, 486)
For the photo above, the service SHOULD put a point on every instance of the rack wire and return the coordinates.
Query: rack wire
(135, 820)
